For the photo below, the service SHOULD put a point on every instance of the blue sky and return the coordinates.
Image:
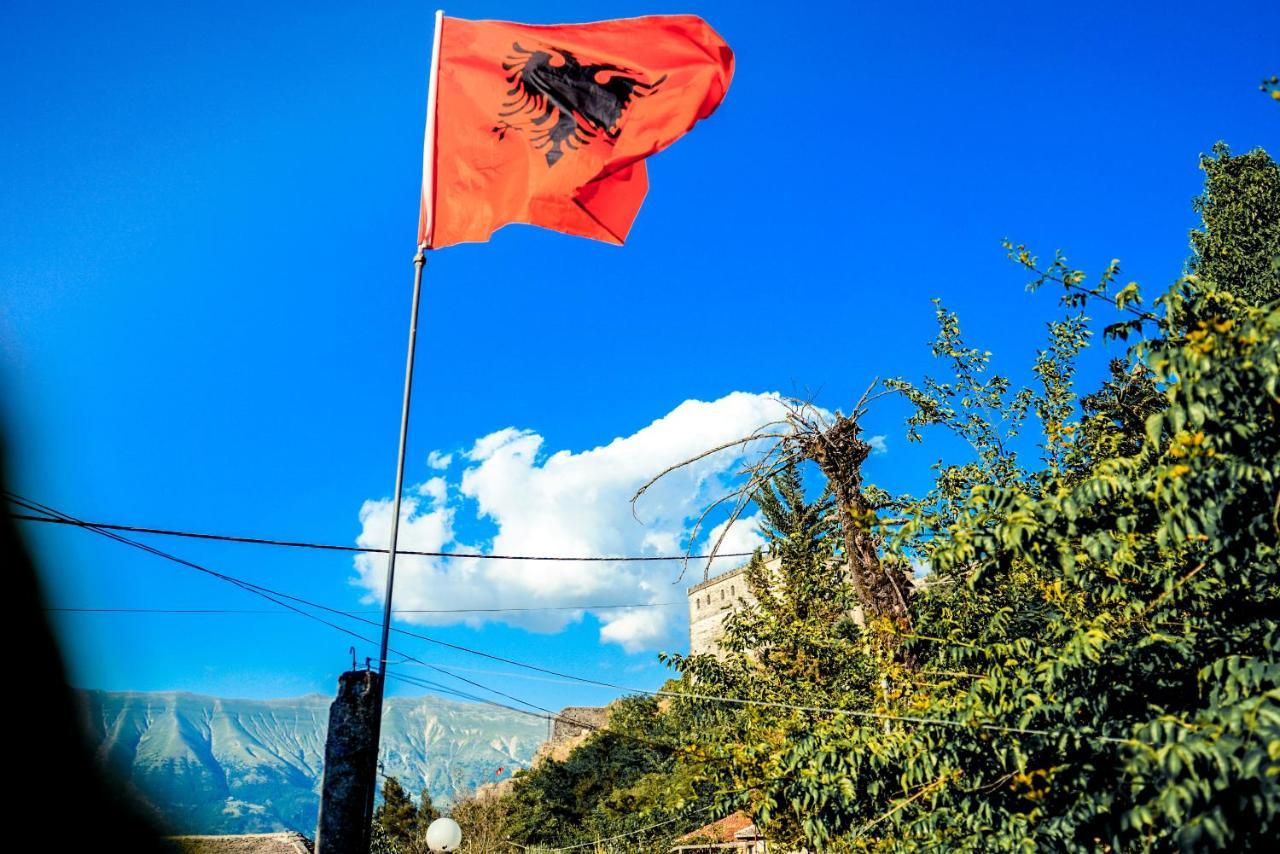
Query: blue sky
(206, 230)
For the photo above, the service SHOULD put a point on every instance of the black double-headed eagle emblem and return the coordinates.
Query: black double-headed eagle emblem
(564, 104)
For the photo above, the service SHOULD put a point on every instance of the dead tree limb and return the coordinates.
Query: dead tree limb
(836, 446)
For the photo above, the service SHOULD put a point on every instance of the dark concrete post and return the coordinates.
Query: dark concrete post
(350, 763)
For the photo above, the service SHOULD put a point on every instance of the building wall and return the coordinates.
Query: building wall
(710, 603)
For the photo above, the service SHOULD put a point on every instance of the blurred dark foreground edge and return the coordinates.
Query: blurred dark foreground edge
(61, 789)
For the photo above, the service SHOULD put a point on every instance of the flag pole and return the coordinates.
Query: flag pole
(419, 262)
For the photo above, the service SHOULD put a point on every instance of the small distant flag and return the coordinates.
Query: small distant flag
(550, 125)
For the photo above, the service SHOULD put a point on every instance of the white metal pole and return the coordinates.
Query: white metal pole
(419, 262)
(429, 142)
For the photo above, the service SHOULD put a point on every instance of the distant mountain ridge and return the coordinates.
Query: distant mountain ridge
(212, 765)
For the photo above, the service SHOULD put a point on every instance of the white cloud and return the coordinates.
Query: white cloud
(438, 460)
(574, 504)
(878, 445)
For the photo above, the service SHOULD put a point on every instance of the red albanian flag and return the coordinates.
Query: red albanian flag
(551, 125)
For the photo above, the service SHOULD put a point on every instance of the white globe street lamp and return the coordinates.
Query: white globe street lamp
(444, 835)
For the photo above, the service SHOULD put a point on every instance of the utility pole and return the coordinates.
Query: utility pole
(350, 765)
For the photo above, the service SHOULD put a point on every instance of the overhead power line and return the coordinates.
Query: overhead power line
(271, 611)
(271, 595)
(595, 843)
(276, 596)
(552, 716)
(334, 547)
(466, 695)
(266, 593)
(545, 714)
(506, 674)
(542, 713)
(773, 704)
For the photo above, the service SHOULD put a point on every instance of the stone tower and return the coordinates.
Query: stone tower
(710, 603)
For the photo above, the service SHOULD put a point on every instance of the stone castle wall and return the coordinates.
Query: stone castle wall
(710, 603)
(574, 721)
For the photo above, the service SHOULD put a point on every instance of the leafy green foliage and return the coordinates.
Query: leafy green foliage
(1115, 416)
(484, 822)
(1271, 86)
(396, 816)
(1100, 653)
(1095, 657)
(400, 826)
(798, 645)
(620, 780)
(976, 405)
(1238, 247)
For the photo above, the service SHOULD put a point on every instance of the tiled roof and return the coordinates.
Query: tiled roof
(249, 843)
(724, 830)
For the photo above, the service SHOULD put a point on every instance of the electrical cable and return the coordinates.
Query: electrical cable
(615, 837)
(269, 594)
(67, 610)
(266, 593)
(299, 544)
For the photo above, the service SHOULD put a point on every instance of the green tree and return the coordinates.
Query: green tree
(1095, 661)
(797, 645)
(1114, 417)
(1238, 246)
(427, 811)
(619, 780)
(799, 637)
(485, 823)
(1099, 651)
(396, 820)
(1271, 86)
(1100, 655)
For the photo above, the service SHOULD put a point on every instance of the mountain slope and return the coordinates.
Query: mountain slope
(211, 765)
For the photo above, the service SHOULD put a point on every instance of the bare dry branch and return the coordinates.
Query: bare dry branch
(860, 407)
(744, 494)
(743, 501)
(834, 443)
(750, 437)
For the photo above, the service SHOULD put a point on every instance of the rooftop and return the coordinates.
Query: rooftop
(247, 843)
(731, 828)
